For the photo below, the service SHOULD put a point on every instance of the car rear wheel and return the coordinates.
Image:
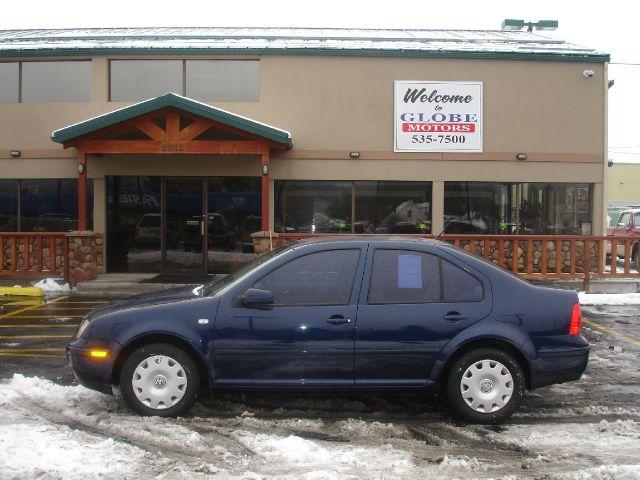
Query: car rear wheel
(159, 379)
(485, 385)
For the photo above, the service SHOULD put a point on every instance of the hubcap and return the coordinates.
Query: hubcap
(159, 382)
(486, 386)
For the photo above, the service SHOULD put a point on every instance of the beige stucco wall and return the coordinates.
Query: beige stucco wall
(334, 105)
(624, 182)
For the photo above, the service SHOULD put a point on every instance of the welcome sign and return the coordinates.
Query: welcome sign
(438, 116)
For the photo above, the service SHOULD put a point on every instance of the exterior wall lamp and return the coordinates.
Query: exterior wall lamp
(354, 154)
(80, 168)
(15, 153)
(521, 156)
(265, 170)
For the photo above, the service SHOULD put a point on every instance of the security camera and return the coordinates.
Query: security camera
(588, 73)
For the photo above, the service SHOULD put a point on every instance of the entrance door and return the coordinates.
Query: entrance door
(185, 225)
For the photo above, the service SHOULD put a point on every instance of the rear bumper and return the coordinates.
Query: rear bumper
(560, 365)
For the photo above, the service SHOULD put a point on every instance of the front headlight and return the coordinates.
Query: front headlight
(82, 327)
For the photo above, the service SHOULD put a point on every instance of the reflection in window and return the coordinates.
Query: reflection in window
(56, 81)
(321, 278)
(313, 207)
(524, 208)
(393, 207)
(133, 224)
(51, 205)
(8, 205)
(330, 206)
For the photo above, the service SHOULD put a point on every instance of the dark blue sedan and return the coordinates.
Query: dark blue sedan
(357, 313)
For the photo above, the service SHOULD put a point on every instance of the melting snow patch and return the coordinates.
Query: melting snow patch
(53, 285)
(609, 298)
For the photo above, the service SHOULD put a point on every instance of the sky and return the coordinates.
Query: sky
(606, 27)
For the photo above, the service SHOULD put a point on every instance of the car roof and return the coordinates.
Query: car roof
(324, 239)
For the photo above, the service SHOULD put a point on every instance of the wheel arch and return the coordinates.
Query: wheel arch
(487, 343)
(169, 339)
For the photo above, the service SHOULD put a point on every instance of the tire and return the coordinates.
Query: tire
(485, 386)
(159, 379)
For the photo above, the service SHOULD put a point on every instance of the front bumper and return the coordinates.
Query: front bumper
(93, 373)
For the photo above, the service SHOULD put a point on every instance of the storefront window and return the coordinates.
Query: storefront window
(133, 80)
(8, 205)
(56, 81)
(524, 208)
(9, 78)
(313, 206)
(393, 207)
(51, 205)
(331, 206)
(223, 80)
(133, 224)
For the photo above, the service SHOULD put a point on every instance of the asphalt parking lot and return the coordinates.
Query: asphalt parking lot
(34, 332)
(584, 429)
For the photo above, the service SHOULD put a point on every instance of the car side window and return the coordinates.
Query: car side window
(625, 220)
(636, 220)
(458, 285)
(320, 278)
(404, 276)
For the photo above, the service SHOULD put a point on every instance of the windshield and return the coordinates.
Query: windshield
(214, 287)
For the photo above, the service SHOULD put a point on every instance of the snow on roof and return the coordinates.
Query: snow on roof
(320, 41)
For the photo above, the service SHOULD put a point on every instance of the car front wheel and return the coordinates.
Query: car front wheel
(159, 379)
(485, 386)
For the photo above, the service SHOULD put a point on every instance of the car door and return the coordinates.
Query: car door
(412, 303)
(306, 336)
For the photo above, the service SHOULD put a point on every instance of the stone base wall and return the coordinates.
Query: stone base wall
(86, 256)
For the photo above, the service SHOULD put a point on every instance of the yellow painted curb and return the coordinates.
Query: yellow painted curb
(22, 291)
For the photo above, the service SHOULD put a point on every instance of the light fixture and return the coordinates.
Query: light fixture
(265, 169)
(610, 162)
(81, 168)
(588, 73)
(521, 156)
(513, 24)
(354, 154)
(15, 153)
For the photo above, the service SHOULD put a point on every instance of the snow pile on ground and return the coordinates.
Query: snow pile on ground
(53, 285)
(609, 298)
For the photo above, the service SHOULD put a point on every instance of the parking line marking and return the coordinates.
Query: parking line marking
(29, 355)
(59, 309)
(45, 317)
(16, 312)
(7, 337)
(41, 325)
(59, 299)
(610, 331)
(31, 350)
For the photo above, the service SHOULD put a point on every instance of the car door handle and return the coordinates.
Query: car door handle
(338, 320)
(454, 317)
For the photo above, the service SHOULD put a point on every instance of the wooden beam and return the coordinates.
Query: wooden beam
(82, 191)
(173, 126)
(196, 128)
(151, 129)
(265, 190)
(211, 147)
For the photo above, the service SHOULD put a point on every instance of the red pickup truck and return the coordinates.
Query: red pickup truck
(627, 226)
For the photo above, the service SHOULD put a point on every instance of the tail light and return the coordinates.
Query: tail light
(576, 320)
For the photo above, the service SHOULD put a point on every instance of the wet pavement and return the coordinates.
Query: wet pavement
(35, 331)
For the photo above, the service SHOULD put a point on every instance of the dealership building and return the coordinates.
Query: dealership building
(168, 147)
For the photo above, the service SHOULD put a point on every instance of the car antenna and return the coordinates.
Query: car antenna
(446, 224)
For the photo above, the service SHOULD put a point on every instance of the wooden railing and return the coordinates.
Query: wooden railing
(547, 256)
(34, 254)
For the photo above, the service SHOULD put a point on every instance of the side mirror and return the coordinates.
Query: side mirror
(257, 298)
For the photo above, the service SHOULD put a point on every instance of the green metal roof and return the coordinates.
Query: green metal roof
(492, 44)
(173, 100)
